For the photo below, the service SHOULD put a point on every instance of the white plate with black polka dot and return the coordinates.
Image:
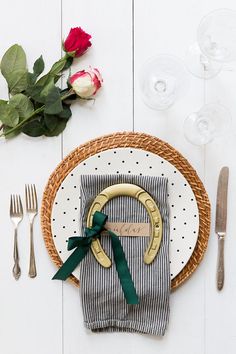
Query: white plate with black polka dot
(184, 215)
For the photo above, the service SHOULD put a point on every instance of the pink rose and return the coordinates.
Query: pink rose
(77, 41)
(86, 83)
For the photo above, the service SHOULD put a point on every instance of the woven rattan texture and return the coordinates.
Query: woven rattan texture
(139, 141)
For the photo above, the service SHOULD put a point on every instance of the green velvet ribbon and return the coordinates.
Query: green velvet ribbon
(82, 246)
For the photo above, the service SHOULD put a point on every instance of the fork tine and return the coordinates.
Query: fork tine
(14, 203)
(20, 205)
(11, 205)
(35, 198)
(32, 197)
(27, 196)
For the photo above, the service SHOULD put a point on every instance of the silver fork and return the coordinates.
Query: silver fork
(32, 211)
(16, 215)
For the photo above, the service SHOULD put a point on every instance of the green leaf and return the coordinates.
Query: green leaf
(66, 113)
(42, 88)
(13, 60)
(58, 66)
(22, 104)
(69, 62)
(17, 81)
(51, 121)
(33, 128)
(9, 115)
(58, 129)
(3, 102)
(53, 104)
(38, 66)
(11, 135)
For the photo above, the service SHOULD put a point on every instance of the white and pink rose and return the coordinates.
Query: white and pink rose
(86, 83)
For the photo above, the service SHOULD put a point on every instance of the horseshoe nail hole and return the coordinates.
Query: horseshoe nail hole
(117, 172)
(172, 184)
(59, 251)
(147, 155)
(56, 203)
(172, 205)
(75, 186)
(62, 187)
(171, 240)
(185, 223)
(75, 232)
(53, 219)
(63, 227)
(131, 151)
(68, 199)
(174, 229)
(182, 237)
(171, 275)
(162, 161)
(174, 217)
(182, 262)
(84, 163)
(114, 152)
(76, 208)
(174, 171)
(123, 161)
(54, 235)
(96, 168)
(72, 174)
(184, 209)
(137, 162)
(109, 163)
(177, 250)
(129, 171)
(99, 156)
(162, 174)
(64, 212)
(74, 220)
(180, 196)
(150, 166)
(185, 184)
(140, 174)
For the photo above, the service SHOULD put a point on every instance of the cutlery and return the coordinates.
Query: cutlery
(32, 211)
(16, 215)
(221, 220)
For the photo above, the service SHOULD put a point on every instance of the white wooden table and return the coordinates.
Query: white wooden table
(40, 316)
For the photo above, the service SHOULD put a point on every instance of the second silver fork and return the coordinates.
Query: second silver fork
(32, 211)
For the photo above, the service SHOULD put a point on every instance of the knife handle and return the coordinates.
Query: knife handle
(220, 263)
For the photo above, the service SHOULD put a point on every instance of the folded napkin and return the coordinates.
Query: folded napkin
(104, 306)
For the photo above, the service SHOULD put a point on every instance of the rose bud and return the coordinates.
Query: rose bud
(86, 83)
(78, 41)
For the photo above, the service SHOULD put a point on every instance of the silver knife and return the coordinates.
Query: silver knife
(221, 220)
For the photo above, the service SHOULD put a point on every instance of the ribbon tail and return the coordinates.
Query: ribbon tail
(123, 271)
(71, 263)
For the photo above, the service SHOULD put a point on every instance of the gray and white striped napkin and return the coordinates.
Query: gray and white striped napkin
(104, 306)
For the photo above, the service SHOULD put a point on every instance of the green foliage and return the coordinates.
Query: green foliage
(22, 104)
(13, 68)
(9, 115)
(35, 106)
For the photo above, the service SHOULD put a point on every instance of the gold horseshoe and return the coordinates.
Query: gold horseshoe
(131, 190)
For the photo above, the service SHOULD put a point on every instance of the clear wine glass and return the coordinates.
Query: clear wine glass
(163, 80)
(211, 121)
(216, 44)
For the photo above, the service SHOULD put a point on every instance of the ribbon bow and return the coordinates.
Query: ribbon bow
(82, 246)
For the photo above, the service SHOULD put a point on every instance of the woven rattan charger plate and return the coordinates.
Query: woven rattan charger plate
(149, 144)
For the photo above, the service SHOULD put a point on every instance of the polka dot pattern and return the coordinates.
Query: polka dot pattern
(184, 216)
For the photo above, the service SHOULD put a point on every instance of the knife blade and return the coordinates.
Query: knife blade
(221, 222)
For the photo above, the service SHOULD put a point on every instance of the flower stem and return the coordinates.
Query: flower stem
(40, 109)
